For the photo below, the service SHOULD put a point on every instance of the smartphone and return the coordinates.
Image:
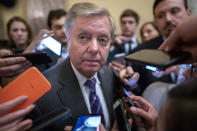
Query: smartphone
(34, 58)
(152, 68)
(87, 123)
(52, 120)
(120, 116)
(30, 83)
(119, 58)
(52, 44)
(156, 58)
(127, 100)
(128, 76)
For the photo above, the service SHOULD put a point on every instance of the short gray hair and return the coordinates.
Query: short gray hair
(87, 9)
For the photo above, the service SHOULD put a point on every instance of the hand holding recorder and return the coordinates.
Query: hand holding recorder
(128, 76)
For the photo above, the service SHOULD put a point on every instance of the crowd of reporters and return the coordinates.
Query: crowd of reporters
(173, 29)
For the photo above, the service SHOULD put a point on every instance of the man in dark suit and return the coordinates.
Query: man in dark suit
(126, 41)
(89, 30)
(166, 21)
(168, 15)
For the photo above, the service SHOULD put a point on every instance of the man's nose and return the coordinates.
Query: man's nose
(168, 17)
(127, 24)
(94, 46)
(63, 30)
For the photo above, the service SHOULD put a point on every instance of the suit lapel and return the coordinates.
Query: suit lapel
(69, 91)
(107, 89)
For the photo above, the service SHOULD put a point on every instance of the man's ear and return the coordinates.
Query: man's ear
(189, 12)
(68, 40)
(67, 36)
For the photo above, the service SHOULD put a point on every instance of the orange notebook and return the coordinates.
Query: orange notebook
(30, 83)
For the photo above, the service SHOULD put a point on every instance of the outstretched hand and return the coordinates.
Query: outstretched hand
(14, 121)
(145, 114)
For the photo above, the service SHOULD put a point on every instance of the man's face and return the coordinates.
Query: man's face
(18, 33)
(169, 14)
(57, 25)
(128, 26)
(88, 43)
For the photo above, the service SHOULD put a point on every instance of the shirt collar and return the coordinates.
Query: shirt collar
(134, 39)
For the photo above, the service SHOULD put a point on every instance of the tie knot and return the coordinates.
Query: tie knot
(91, 84)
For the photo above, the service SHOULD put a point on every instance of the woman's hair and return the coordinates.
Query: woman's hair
(149, 22)
(19, 19)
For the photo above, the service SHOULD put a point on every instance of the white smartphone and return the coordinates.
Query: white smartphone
(52, 44)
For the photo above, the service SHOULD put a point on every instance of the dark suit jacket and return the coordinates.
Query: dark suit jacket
(118, 49)
(146, 76)
(151, 44)
(66, 90)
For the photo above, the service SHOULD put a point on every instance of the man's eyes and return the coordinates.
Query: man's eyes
(129, 22)
(160, 16)
(83, 37)
(103, 41)
(58, 27)
(175, 11)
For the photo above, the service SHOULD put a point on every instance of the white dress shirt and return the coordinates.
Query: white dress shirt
(86, 91)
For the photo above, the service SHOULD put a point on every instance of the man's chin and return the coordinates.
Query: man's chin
(89, 72)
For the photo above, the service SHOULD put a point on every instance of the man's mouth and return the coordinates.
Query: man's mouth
(92, 62)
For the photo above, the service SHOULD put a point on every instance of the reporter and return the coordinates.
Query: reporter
(184, 38)
(19, 34)
(14, 121)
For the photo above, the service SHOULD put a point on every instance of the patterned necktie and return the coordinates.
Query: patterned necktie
(95, 104)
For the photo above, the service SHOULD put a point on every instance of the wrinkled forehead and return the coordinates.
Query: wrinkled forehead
(98, 22)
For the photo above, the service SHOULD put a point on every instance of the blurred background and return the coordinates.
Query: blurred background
(36, 11)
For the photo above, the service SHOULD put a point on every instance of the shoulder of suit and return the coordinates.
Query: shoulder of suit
(151, 44)
(57, 68)
(106, 70)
